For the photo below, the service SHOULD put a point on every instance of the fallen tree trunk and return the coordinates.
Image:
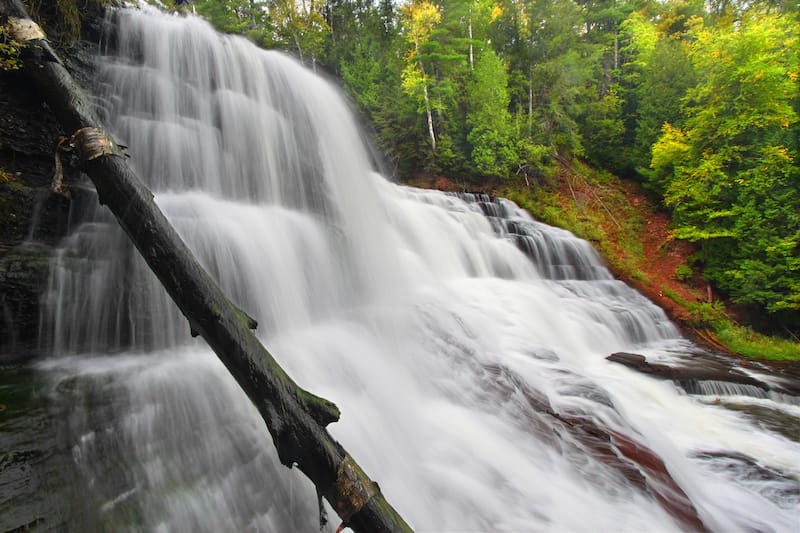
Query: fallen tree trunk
(295, 418)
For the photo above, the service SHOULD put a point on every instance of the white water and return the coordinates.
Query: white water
(418, 315)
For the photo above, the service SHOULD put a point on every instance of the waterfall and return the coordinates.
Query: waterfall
(464, 341)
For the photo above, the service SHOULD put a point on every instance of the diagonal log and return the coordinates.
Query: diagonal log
(295, 418)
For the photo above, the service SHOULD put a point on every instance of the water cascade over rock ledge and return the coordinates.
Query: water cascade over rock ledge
(461, 363)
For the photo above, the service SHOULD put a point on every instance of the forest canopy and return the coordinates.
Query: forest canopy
(696, 100)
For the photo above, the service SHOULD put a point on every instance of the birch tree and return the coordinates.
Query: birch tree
(419, 19)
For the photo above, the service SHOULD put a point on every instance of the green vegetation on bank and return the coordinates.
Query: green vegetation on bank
(745, 341)
(729, 170)
(9, 51)
(601, 208)
(594, 206)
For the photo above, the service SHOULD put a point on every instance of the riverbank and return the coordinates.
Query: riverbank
(634, 237)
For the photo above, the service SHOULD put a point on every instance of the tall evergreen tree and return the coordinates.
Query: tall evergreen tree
(494, 151)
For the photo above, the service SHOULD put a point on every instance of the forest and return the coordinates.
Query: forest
(698, 101)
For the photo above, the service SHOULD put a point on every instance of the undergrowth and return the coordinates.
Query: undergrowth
(595, 209)
(741, 339)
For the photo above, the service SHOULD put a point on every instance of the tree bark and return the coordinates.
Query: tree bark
(530, 100)
(295, 418)
(427, 101)
(471, 57)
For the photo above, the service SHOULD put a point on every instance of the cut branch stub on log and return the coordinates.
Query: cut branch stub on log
(295, 417)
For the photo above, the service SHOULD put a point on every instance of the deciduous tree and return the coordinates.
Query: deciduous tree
(731, 173)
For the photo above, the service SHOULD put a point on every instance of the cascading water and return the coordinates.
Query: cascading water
(464, 342)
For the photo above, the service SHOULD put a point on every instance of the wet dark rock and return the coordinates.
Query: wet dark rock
(774, 420)
(23, 277)
(638, 464)
(633, 360)
(33, 218)
(31, 215)
(35, 464)
(687, 376)
(660, 482)
(623, 454)
(28, 132)
(747, 469)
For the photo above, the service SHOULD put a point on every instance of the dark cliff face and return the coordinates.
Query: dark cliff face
(33, 218)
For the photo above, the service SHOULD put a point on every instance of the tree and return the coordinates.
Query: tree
(353, 23)
(657, 72)
(233, 16)
(419, 19)
(561, 64)
(603, 130)
(491, 134)
(301, 28)
(666, 77)
(730, 173)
